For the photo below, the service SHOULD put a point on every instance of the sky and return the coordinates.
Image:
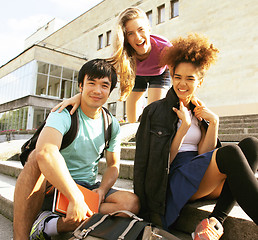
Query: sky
(21, 18)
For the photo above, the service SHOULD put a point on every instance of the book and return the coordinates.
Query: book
(60, 202)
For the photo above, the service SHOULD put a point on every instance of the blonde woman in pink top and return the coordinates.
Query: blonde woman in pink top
(136, 57)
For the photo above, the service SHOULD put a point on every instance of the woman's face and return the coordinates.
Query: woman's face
(185, 81)
(138, 36)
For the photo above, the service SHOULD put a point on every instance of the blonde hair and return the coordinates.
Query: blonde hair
(124, 58)
(194, 49)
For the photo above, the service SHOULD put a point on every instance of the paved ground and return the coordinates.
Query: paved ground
(6, 228)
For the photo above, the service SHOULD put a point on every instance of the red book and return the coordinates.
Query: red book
(60, 202)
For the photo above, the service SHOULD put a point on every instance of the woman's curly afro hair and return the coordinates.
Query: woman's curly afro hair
(194, 49)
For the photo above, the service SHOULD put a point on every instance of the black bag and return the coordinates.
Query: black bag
(112, 227)
(68, 138)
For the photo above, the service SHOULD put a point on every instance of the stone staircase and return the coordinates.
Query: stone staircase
(236, 128)
(232, 129)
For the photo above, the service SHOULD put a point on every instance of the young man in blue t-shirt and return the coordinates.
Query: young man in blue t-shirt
(75, 164)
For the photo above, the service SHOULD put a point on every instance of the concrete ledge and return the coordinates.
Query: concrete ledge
(7, 185)
(235, 137)
(6, 207)
(11, 168)
(125, 170)
(11, 149)
(239, 119)
(128, 152)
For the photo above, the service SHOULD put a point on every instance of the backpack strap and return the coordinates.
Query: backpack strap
(107, 128)
(72, 132)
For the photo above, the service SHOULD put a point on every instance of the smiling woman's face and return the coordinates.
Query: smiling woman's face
(138, 35)
(186, 81)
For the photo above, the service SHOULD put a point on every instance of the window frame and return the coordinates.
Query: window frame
(172, 9)
(150, 13)
(100, 41)
(108, 38)
(112, 107)
(160, 10)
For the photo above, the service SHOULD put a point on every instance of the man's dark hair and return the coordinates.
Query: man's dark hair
(98, 68)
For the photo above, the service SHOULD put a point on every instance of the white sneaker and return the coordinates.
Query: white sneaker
(37, 231)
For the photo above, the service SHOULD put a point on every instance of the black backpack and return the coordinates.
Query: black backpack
(68, 138)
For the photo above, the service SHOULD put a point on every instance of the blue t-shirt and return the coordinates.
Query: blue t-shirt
(82, 155)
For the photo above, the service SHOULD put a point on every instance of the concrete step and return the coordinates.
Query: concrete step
(128, 144)
(239, 119)
(238, 125)
(238, 131)
(11, 150)
(6, 228)
(237, 226)
(235, 137)
(125, 171)
(128, 152)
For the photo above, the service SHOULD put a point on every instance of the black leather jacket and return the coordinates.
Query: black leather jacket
(153, 140)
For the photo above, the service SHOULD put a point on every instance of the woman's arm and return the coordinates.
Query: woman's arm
(182, 114)
(209, 139)
(75, 101)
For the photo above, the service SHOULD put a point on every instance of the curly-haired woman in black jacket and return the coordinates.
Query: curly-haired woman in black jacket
(197, 168)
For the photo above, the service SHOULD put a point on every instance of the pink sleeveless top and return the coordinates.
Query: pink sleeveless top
(150, 66)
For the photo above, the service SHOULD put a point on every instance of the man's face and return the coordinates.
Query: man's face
(95, 92)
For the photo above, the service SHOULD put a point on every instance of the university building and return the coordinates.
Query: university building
(46, 71)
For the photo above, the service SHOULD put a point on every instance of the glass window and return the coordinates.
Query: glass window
(41, 84)
(55, 70)
(58, 82)
(100, 43)
(43, 67)
(18, 83)
(66, 90)
(108, 38)
(112, 108)
(67, 73)
(149, 16)
(39, 116)
(14, 120)
(174, 8)
(53, 86)
(75, 88)
(161, 13)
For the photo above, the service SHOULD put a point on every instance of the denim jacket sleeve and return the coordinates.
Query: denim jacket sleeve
(141, 158)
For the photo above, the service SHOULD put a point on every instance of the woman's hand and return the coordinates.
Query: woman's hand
(183, 114)
(75, 101)
(202, 112)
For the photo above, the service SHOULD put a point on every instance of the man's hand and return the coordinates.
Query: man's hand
(77, 211)
(101, 194)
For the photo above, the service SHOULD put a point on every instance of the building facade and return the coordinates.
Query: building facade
(46, 72)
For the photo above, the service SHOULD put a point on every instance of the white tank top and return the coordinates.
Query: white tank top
(193, 135)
